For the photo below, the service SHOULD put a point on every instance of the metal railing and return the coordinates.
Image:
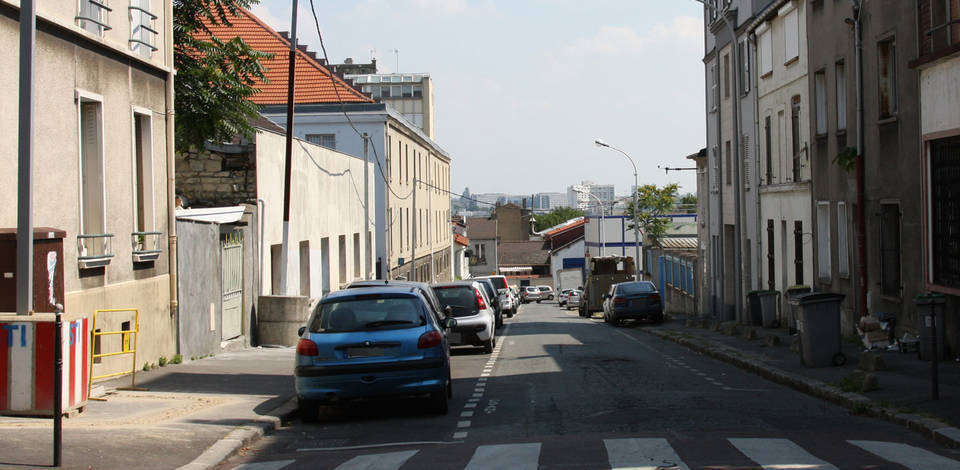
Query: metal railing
(94, 250)
(130, 338)
(146, 246)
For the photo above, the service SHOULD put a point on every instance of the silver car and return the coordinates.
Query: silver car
(468, 303)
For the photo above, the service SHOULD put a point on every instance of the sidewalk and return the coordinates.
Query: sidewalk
(903, 392)
(194, 414)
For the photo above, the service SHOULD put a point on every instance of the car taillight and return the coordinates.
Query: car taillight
(305, 347)
(480, 303)
(430, 339)
(654, 297)
(619, 300)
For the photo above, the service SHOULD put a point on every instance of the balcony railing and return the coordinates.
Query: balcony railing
(94, 250)
(146, 246)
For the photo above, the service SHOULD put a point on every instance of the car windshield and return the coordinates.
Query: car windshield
(629, 288)
(461, 300)
(367, 314)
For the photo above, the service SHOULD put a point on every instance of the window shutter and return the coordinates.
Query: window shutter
(746, 161)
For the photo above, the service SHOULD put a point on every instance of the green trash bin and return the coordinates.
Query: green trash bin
(818, 322)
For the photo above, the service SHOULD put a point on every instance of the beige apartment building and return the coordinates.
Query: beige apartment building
(102, 162)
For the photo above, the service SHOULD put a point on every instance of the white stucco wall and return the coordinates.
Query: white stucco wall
(788, 206)
(574, 250)
(940, 97)
(326, 201)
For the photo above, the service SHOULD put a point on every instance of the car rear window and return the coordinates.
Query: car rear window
(462, 300)
(499, 282)
(532, 289)
(544, 289)
(636, 288)
(371, 313)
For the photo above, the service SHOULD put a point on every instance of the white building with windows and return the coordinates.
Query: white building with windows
(581, 196)
(102, 159)
(410, 94)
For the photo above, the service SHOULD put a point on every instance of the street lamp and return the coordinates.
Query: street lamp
(600, 225)
(636, 187)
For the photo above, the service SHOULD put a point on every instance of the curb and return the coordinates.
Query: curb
(243, 436)
(930, 428)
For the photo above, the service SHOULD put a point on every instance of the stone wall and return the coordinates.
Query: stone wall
(213, 179)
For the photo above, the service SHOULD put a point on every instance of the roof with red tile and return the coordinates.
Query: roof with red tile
(460, 239)
(564, 228)
(313, 84)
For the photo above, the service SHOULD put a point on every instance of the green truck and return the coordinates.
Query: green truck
(603, 272)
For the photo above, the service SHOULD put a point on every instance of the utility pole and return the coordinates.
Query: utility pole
(28, 37)
(291, 73)
(366, 206)
(413, 228)
(861, 222)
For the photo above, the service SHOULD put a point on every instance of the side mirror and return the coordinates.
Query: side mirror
(449, 322)
(447, 311)
(301, 330)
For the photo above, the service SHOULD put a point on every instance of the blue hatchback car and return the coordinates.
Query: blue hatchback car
(372, 342)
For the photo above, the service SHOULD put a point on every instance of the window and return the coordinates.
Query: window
(324, 140)
(944, 24)
(769, 151)
(795, 137)
(417, 91)
(92, 199)
(744, 52)
(820, 91)
(887, 77)
(798, 251)
(765, 52)
(407, 91)
(384, 91)
(771, 257)
(823, 241)
(714, 88)
(727, 162)
(791, 37)
(843, 256)
(945, 210)
(143, 171)
(726, 76)
(94, 16)
(342, 251)
(142, 33)
(356, 255)
(841, 78)
(890, 249)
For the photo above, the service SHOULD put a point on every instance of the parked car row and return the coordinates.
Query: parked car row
(536, 294)
(393, 338)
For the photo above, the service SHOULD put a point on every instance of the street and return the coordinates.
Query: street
(561, 391)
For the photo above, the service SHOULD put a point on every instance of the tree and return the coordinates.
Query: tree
(654, 203)
(556, 217)
(215, 78)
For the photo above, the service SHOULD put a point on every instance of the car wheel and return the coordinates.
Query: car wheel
(550, 298)
(538, 301)
(308, 410)
(488, 345)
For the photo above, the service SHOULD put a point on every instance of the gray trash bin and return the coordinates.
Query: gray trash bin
(768, 307)
(818, 316)
(928, 306)
(753, 301)
(791, 312)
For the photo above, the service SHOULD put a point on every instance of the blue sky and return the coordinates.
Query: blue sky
(523, 87)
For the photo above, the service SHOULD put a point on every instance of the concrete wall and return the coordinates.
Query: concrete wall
(65, 66)
(280, 318)
(326, 203)
(939, 99)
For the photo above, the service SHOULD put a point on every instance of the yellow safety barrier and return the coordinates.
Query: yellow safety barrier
(126, 349)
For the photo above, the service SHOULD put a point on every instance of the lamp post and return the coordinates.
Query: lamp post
(737, 193)
(636, 187)
(600, 225)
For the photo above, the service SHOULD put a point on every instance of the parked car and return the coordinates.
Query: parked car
(491, 292)
(573, 299)
(632, 301)
(372, 342)
(507, 305)
(530, 294)
(474, 312)
(562, 297)
(422, 287)
(546, 293)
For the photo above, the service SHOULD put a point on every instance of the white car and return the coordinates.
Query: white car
(562, 298)
(468, 303)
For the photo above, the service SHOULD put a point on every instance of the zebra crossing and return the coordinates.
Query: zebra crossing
(636, 454)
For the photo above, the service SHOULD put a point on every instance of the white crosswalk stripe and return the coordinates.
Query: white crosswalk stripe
(775, 454)
(642, 454)
(911, 457)
(388, 461)
(512, 456)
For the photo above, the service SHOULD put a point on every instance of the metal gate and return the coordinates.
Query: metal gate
(231, 272)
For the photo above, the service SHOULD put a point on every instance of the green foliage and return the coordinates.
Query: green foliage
(851, 383)
(654, 203)
(162, 361)
(556, 217)
(688, 203)
(846, 159)
(146, 366)
(176, 359)
(215, 78)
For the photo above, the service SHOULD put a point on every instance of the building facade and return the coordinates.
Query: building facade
(102, 157)
(409, 94)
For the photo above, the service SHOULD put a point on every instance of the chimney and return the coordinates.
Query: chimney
(284, 35)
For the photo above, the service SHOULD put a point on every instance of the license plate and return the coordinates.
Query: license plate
(453, 337)
(365, 352)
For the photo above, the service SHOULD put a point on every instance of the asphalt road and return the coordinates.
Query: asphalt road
(561, 391)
